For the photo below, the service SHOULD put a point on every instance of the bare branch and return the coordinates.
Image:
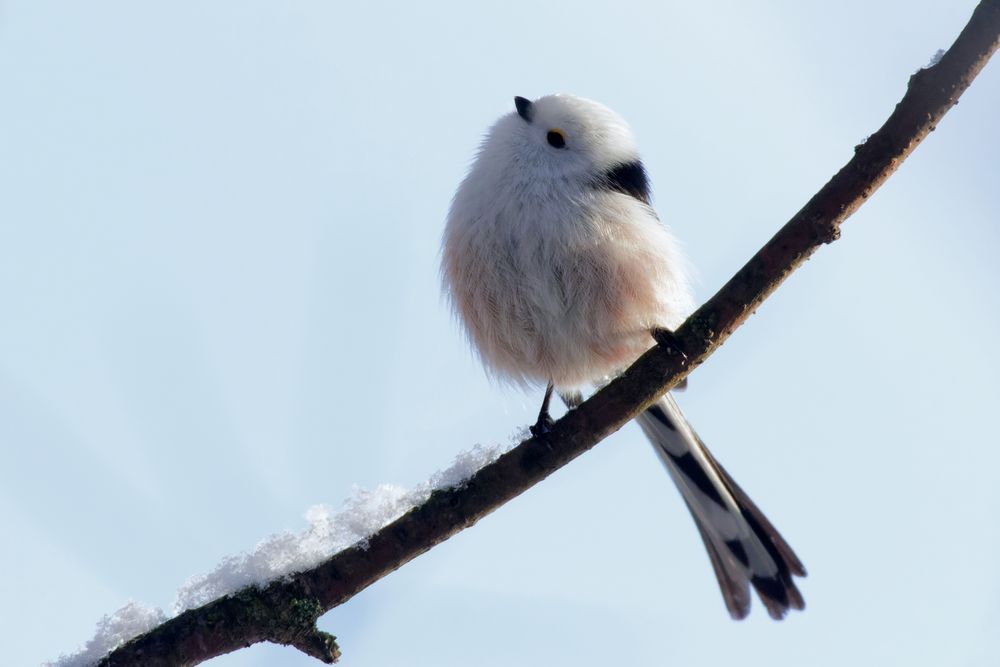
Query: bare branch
(285, 611)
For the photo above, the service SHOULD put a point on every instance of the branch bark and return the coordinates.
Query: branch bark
(285, 611)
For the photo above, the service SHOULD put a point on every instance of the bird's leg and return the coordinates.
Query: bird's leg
(544, 423)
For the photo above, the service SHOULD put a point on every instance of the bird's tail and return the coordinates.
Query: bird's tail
(744, 547)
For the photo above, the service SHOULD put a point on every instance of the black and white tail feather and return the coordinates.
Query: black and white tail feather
(744, 547)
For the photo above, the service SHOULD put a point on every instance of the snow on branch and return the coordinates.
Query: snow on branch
(285, 609)
(282, 554)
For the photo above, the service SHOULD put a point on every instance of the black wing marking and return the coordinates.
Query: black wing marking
(628, 178)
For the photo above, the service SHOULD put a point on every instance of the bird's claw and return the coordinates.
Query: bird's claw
(669, 340)
(543, 426)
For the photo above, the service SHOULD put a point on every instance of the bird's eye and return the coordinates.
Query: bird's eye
(556, 138)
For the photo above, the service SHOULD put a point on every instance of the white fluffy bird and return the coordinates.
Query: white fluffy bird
(559, 269)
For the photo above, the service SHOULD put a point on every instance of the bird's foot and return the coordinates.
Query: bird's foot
(669, 340)
(543, 426)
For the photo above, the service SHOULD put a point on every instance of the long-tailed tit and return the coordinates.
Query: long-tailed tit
(560, 270)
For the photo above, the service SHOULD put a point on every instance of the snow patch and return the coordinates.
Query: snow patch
(282, 554)
(329, 531)
(112, 631)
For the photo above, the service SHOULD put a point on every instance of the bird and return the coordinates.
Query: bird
(560, 272)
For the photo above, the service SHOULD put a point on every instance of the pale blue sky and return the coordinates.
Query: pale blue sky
(219, 305)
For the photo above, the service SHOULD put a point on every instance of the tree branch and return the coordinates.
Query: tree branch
(285, 611)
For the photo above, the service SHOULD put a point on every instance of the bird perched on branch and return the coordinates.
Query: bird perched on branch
(560, 271)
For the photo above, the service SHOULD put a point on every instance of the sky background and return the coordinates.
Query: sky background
(219, 305)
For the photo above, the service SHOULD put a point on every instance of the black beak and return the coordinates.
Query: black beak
(524, 108)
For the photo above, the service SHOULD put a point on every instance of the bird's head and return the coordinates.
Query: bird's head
(562, 138)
